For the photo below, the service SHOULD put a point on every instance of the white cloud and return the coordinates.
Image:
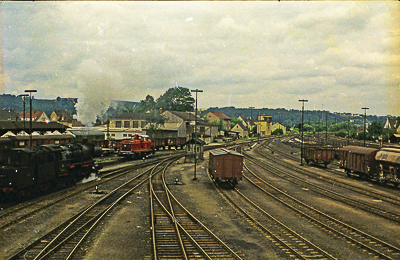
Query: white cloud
(237, 52)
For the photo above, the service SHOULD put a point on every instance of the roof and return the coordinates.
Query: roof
(35, 114)
(86, 132)
(187, 116)
(392, 122)
(19, 125)
(223, 151)
(391, 155)
(63, 115)
(220, 115)
(8, 114)
(241, 126)
(358, 149)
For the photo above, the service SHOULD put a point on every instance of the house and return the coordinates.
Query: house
(264, 125)
(127, 120)
(182, 124)
(217, 117)
(9, 115)
(390, 123)
(37, 116)
(248, 121)
(61, 116)
(241, 130)
(278, 126)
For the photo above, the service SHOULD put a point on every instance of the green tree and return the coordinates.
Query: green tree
(146, 105)
(375, 130)
(235, 120)
(220, 124)
(176, 99)
(155, 119)
(277, 132)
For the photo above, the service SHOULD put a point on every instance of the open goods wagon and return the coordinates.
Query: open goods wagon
(318, 155)
(225, 166)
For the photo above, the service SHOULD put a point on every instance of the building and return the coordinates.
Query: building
(217, 117)
(241, 130)
(37, 116)
(8, 115)
(127, 120)
(264, 125)
(278, 126)
(61, 116)
(390, 123)
(248, 122)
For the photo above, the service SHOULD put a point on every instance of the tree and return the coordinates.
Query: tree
(234, 121)
(277, 132)
(146, 105)
(155, 119)
(375, 130)
(176, 99)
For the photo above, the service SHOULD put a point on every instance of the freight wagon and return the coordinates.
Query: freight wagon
(225, 166)
(359, 160)
(318, 155)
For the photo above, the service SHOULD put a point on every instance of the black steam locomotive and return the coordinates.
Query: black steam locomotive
(31, 170)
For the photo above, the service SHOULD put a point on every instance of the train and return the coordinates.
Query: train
(136, 148)
(140, 146)
(31, 170)
(382, 165)
(225, 166)
(318, 155)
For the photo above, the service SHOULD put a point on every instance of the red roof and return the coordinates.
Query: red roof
(220, 115)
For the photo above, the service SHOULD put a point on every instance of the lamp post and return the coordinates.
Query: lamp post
(195, 134)
(302, 130)
(23, 97)
(348, 130)
(30, 107)
(365, 115)
(279, 124)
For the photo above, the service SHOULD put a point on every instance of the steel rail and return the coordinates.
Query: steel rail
(346, 226)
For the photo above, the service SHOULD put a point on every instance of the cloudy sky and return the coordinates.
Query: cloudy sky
(341, 56)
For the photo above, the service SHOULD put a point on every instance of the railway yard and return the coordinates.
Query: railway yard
(153, 209)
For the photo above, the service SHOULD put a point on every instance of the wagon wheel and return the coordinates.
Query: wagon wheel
(348, 172)
(325, 164)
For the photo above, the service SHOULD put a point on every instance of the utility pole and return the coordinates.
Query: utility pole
(195, 134)
(365, 115)
(23, 97)
(30, 91)
(302, 129)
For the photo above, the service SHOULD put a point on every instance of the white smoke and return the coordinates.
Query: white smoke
(98, 85)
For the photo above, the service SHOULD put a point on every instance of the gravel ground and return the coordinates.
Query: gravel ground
(125, 234)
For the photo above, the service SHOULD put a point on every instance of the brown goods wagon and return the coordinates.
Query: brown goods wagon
(318, 155)
(225, 166)
(360, 160)
(388, 160)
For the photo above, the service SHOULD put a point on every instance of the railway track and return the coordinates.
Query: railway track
(373, 245)
(64, 241)
(390, 199)
(20, 213)
(293, 244)
(176, 233)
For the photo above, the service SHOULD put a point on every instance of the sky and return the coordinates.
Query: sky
(340, 56)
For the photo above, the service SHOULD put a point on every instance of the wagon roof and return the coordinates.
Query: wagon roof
(358, 149)
(222, 151)
(388, 155)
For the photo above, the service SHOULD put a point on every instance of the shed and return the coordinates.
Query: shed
(194, 147)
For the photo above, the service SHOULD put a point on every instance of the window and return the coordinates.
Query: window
(124, 135)
(127, 124)
(113, 135)
(118, 124)
(135, 124)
